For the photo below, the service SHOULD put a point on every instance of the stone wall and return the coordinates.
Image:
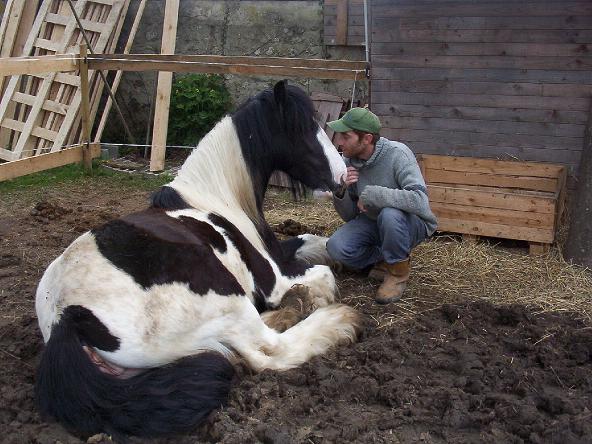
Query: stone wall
(224, 27)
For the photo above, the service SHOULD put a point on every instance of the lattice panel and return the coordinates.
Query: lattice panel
(37, 113)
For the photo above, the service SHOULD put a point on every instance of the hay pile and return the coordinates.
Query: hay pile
(448, 270)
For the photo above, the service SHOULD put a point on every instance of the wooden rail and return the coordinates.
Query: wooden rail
(29, 165)
(272, 66)
(10, 66)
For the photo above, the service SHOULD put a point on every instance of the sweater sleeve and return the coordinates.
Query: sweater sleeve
(411, 197)
(345, 206)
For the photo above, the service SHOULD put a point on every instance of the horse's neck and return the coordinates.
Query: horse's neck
(215, 178)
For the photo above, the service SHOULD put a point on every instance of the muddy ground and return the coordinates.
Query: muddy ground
(463, 373)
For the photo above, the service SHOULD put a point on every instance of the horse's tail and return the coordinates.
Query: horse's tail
(160, 401)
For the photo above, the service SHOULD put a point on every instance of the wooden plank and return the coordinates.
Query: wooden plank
(69, 79)
(488, 100)
(498, 189)
(496, 230)
(341, 23)
(481, 49)
(575, 63)
(477, 198)
(163, 92)
(521, 141)
(493, 215)
(42, 162)
(49, 45)
(556, 22)
(497, 88)
(36, 65)
(223, 68)
(492, 9)
(568, 158)
(13, 124)
(481, 113)
(501, 180)
(44, 133)
(26, 24)
(395, 34)
(9, 26)
(99, 61)
(491, 166)
(559, 76)
(483, 126)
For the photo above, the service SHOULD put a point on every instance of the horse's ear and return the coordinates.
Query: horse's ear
(279, 92)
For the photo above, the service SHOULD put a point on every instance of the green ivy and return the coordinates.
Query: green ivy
(198, 102)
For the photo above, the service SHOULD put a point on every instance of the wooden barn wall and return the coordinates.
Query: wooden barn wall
(484, 78)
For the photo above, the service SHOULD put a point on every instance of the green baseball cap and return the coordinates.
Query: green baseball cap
(361, 119)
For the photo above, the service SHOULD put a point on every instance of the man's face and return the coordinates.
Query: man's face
(350, 144)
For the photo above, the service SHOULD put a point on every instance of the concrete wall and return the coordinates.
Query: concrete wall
(225, 27)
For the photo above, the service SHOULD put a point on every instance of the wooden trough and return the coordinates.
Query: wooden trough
(496, 198)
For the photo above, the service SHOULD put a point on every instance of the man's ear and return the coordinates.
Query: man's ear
(368, 138)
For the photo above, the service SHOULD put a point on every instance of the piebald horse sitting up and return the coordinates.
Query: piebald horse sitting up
(144, 316)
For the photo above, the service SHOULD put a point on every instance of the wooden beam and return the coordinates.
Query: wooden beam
(274, 66)
(29, 165)
(11, 66)
(341, 32)
(163, 91)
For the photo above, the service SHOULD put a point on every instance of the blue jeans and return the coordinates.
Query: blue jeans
(362, 242)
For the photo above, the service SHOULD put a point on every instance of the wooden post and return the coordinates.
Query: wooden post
(163, 90)
(342, 19)
(85, 95)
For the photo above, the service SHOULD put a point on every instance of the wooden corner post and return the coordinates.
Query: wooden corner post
(163, 91)
(85, 97)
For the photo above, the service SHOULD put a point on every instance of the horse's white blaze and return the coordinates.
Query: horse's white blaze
(338, 168)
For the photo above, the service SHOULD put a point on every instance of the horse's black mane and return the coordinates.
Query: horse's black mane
(286, 107)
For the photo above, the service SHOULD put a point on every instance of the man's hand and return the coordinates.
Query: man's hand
(361, 206)
(351, 176)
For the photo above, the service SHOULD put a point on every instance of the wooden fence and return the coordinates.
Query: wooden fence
(291, 67)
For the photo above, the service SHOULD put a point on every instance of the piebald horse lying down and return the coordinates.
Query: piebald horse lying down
(143, 316)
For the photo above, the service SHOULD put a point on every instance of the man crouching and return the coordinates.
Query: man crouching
(383, 201)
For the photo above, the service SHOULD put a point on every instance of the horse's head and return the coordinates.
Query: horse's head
(278, 131)
(311, 158)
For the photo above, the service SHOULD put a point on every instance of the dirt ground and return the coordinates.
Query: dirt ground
(465, 373)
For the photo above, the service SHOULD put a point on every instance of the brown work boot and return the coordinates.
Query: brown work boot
(377, 272)
(394, 284)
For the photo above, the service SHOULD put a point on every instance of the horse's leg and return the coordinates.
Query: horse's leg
(319, 283)
(264, 348)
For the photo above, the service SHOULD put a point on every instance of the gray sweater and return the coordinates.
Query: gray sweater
(389, 178)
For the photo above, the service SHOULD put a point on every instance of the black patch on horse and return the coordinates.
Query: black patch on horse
(204, 230)
(168, 198)
(260, 268)
(90, 329)
(155, 249)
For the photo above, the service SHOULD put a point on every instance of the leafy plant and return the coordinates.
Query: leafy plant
(198, 101)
